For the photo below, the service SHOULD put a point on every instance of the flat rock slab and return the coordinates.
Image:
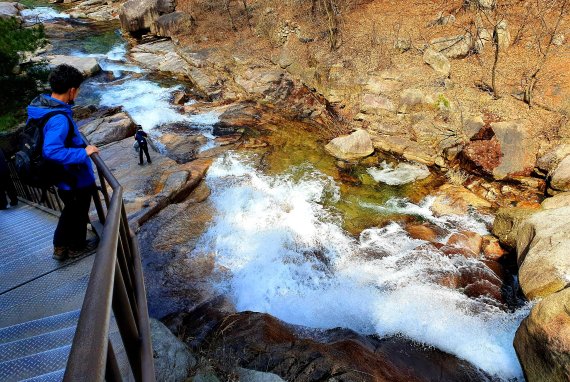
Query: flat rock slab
(86, 65)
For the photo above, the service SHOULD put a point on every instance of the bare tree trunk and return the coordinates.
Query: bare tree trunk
(332, 23)
(247, 14)
(495, 64)
(227, 6)
(533, 79)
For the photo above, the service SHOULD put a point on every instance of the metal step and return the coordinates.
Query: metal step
(36, 344)
(34, 365)
(46, 296)
(55, 376)
(38, 327)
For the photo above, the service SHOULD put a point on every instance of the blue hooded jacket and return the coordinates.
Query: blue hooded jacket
(74, 159)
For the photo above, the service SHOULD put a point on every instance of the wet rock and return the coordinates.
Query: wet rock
(179, 98)
(88, 66)
(560, 177)
(171, 24)
(507, 222)
(542, 341)
(437, 61)
(259, 341)
(349, 147)
(425, 232)
(484, 288)
(542, 252)
(450, 250)
(205, 376)
(492, 249)
(456, 200)
(172, 359)
(102, 131)
(557, 201)
(466, 239)
(237, 117)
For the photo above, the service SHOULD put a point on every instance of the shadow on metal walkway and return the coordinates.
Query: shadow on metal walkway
(40, 297)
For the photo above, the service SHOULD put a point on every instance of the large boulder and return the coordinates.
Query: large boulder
(138, 16)
(507, 222)
(437, 61)
(560, 177)
(88, 66)
(453, 46)
(109, 129)
(349, 147)
(542, 342)
(557, 201)
(543, 241)
(9, 9)
(172, 359)
(171, 24)
(508, 152)
(552, 158)
(456, 200)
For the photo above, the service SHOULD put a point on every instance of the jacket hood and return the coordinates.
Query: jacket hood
(44, 104)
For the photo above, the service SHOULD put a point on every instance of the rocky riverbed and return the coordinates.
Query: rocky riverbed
(267, 246)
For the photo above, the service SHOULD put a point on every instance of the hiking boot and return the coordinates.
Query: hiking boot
(90, 246)
(60, 253)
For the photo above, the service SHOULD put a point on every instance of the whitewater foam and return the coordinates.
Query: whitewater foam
(281, 251)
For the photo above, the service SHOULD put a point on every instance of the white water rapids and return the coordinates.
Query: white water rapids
(280, 251)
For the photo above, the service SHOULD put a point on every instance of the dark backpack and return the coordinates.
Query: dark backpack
(32, 168)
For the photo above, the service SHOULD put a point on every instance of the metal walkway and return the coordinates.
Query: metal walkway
(40, 297)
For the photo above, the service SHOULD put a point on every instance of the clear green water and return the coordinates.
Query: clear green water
(292, 144)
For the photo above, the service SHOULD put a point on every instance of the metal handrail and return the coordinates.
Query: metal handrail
(116, 282)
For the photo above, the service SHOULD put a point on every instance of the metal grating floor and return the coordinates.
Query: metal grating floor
(40, 297)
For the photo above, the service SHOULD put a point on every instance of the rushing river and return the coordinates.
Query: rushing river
(285, 241)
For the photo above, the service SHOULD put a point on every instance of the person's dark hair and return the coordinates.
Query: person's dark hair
(64, 77)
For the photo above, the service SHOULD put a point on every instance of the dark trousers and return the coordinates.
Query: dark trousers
(7, 187)
(71, 228)
(144, 147)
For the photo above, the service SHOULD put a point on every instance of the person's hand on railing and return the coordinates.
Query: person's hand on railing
(91, 150)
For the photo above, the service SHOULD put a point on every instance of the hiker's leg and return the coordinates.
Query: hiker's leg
(146, 153)
(80, 217)
(64, 229)
(141, 154)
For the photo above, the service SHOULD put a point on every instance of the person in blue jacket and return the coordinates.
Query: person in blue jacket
(78, 181)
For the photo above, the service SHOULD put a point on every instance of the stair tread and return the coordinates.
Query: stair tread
(54, 376)
(34, 365)
(36, 344)
(38, 327)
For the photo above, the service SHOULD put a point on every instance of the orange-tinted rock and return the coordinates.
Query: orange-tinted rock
(425, 232)
(466, 239)
(484, 288)
(458, 251)
(492, 248)
(496, 267)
